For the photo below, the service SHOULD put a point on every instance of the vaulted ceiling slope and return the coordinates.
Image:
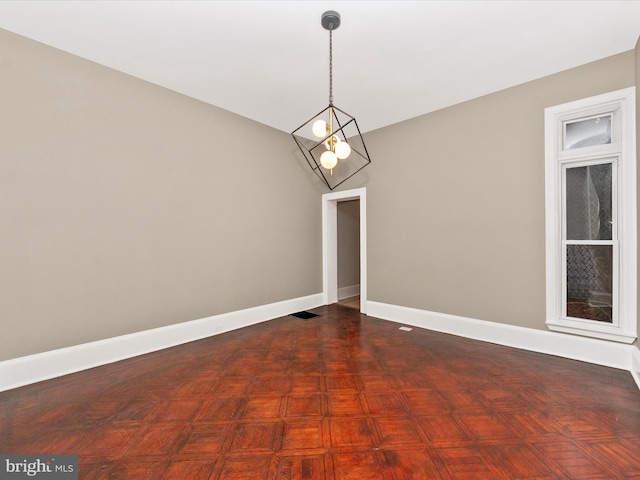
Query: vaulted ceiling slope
(393, 60)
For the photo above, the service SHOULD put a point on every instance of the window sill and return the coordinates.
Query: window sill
(612, 333)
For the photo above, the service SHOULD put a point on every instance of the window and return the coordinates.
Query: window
(591, 216)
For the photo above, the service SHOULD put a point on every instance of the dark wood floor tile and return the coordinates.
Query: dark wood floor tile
(394, 431)
(306, 383)
(244, 370)
(572, 462)
(263, 406)
(99, 471)
(285, 341)
(411, 381)
(468, 463)
(271, 384)
(336, 367)
(424, 402)
(232, 385)
(308, 405)
(327, 342)
(388, 403)
(621, 423)
(136, 410)
(340, 382)
(407, 464)
(189, 469)
(306, 366)
(443, 430)
(305, 355)
(363, 354)
(206, 439)
(100, 412)
(197, 387)
(496, 398)
(280, 355)
(162, 439)
(344, 404)
(398, 365)
(273, 368)
(373, 383)
(60, 440)
(359, 466)
(341, 396)
(257, 467)
(350, 432)
(176, 410)
(255, 437)
(443, 379)
(222, 408)
(257, 356)
(544, 397)
(367, 365)
(304, 435)
(577, 424)
(337, 353)
(460, 399)
(301, 467)
(623, 457)
(109, 442)
(485, 426)
(532, 423)
(520, 460)
(135, 390)
(136, 469)
(57, 416)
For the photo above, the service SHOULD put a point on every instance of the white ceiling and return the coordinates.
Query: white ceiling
(393, 60)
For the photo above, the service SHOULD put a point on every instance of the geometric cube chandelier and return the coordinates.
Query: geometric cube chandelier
(331, 141)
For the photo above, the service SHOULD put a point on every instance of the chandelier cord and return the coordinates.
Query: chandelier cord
(330, 66)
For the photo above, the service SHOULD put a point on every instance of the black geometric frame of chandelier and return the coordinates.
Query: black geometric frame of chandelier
(331, 141)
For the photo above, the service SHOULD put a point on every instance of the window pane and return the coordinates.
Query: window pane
(590, 282)
(588, 202)
(587, 133)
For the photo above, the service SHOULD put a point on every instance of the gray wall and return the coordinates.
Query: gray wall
(637, 77)
(348, 243)
(456, 200)
(125, 206)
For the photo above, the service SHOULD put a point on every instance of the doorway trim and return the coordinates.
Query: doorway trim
(330, 244)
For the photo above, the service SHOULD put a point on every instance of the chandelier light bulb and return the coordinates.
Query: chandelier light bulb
(320, 128)
(343, 150)
(331, 142)
(328, 160)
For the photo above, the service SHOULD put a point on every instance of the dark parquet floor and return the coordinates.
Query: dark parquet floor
(337, 397)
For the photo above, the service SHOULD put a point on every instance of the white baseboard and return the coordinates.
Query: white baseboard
(600, 352)
(635, 364)
(350, 291)
(43, 366)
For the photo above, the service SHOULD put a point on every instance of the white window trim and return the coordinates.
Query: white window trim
(623, 146)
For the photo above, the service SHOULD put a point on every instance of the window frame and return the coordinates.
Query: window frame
(621, 153)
